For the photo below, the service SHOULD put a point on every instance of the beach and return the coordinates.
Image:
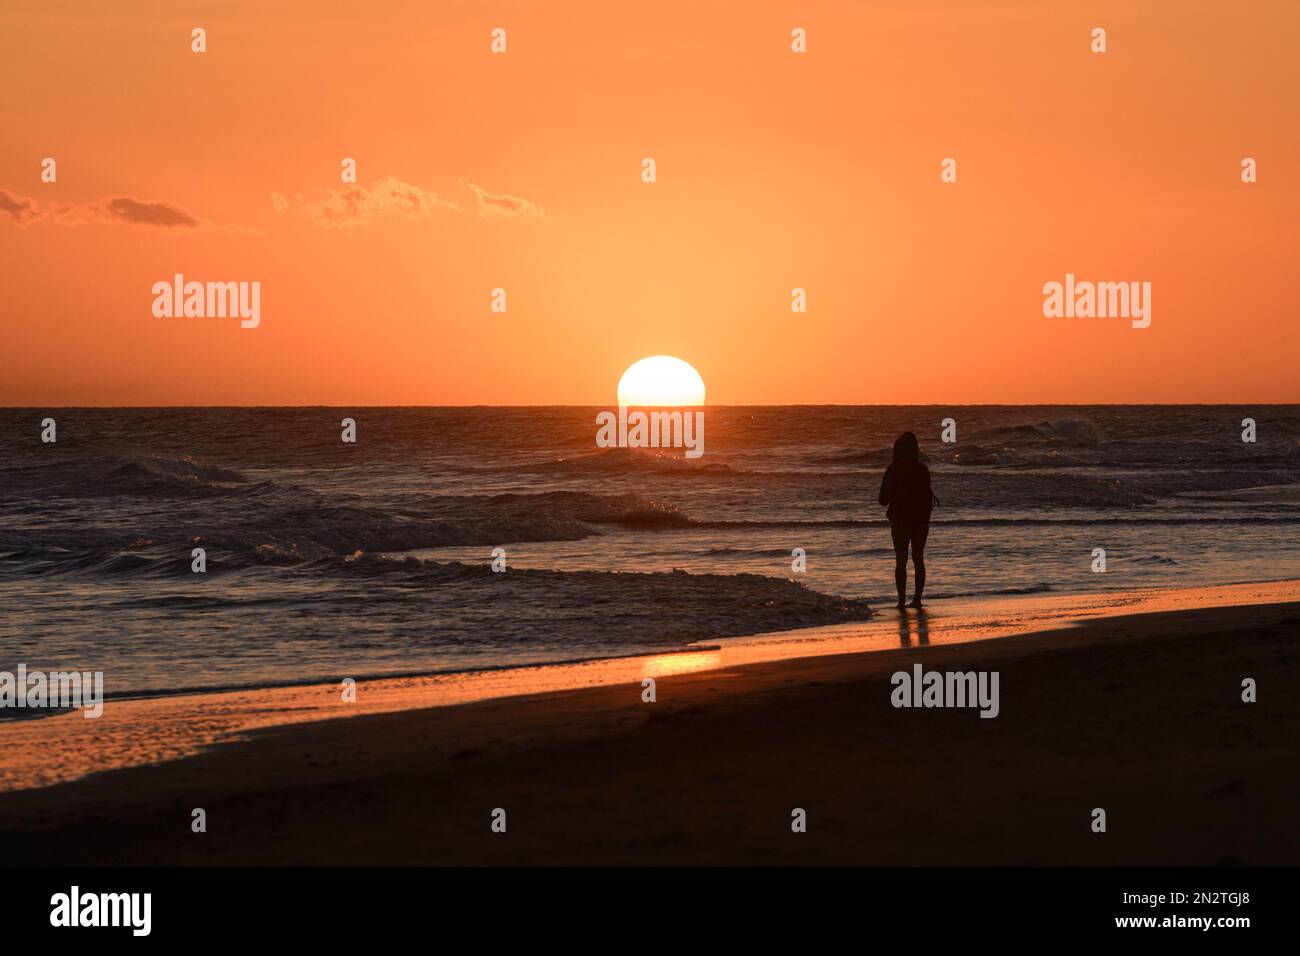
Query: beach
(1136, 709)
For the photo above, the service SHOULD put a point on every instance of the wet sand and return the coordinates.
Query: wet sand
(1136, 709)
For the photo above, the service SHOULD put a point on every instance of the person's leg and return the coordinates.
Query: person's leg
(899, 533)
(918, 535)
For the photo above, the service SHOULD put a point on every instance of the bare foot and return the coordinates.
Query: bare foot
(916, 602)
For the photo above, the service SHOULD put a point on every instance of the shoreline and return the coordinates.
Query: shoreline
(153, 730)
(215, 689)
(1088, 603)
(1139, 713)
(1084, 600)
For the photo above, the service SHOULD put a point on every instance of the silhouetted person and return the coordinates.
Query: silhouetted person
(906, 490)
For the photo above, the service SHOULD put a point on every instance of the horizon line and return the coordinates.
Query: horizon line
(701, 407)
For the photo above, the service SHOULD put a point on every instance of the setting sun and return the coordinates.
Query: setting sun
(661, 380)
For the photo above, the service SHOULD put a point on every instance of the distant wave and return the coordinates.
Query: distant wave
(154, 468)
(973, 450)
(628, 460)
(878, 457)
(290, 525)
(1073, 431)
(118, 474)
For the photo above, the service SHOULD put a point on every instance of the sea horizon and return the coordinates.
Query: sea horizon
(711, 405)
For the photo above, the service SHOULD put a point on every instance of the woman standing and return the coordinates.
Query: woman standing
(906, 490)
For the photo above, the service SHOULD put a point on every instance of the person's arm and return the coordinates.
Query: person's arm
(886, 489)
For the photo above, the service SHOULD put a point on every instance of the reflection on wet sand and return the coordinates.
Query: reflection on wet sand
(913, 626)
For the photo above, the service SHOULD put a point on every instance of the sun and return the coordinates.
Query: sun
(660, 380)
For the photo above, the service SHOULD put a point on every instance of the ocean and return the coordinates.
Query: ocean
(327, 559)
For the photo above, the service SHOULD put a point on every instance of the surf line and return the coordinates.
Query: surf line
(639, 429)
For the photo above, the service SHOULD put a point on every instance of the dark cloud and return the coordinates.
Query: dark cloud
(122, 209)
(22, 209)
(149, 213)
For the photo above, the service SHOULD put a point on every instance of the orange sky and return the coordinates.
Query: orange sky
(776, 170)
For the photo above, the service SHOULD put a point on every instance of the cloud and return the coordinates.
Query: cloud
(119, 209)
(149, 213)
(495, 204)
(19, 207)
(358, 205)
